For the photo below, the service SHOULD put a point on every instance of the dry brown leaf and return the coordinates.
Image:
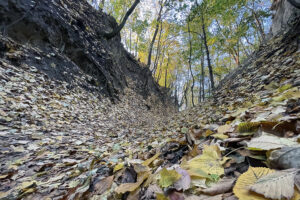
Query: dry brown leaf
(276, 185)
(204, 197)
(152, 191)
(176, 196)
(103, 185)
(224, 185)
(129, 187)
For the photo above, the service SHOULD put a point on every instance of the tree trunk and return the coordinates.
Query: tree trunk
(157, 51)
(190, 62)
(211, 75)
(166, 71)
(119, 28)
(154, 35)
(258, 24)
(130, 41)
(136, 45)
(202, 75)
(160, 65)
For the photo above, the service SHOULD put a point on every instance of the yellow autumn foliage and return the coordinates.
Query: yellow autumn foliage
(210, 162)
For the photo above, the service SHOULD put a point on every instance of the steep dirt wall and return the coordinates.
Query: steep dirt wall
(67, 36)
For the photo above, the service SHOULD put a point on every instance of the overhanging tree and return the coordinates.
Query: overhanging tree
(122, 24)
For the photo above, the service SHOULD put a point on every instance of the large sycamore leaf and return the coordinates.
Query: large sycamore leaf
(129, 187)
(277, 185)
(248, 179)
(210, 162)
(268, 142)
(168, 177)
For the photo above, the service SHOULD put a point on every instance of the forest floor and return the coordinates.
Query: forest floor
(242, 143)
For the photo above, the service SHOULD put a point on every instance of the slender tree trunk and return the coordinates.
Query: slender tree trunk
(244, 49)
(211, 75)
(119, 28)
(166, 71)
(166, 75)
(185, 96)
(136, 45)
(258, 24)
(202, 75)
(154, 35)
(130, 41)
(160, 65)
(200, 91)
(190, 62)
(157, 50)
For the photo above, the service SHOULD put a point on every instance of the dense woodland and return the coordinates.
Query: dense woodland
(190, 46)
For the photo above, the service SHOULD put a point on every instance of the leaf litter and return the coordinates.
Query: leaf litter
(62, 143)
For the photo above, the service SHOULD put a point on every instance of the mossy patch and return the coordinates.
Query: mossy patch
(248, 127)
(284, 87)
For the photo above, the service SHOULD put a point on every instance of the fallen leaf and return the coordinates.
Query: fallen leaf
(160, 196)
(168, 177)
(103, 185)
(246, 180)
(268, 142)
(150, 160)
(152, 190)
(224, 129)
(276, 185)
(285, 158)
(129, 187)
(176, 196)
(223, 186)
(118, 167)
(220, 136)
(184, 182)
(209, 162)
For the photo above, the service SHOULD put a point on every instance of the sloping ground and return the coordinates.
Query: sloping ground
(68, 97)
(66, 36)
(61, 139)
(48, 130)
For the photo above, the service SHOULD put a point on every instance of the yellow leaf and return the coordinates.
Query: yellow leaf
(209, 162)
(168, 177)
(160, 196)
(224, 129)
(27, 184)
(129, 187)
(150, 160)
(208, 133)
(118, 167)
(220, 136)
(247, 179)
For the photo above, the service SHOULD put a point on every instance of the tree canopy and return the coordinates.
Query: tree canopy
(191, 45)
